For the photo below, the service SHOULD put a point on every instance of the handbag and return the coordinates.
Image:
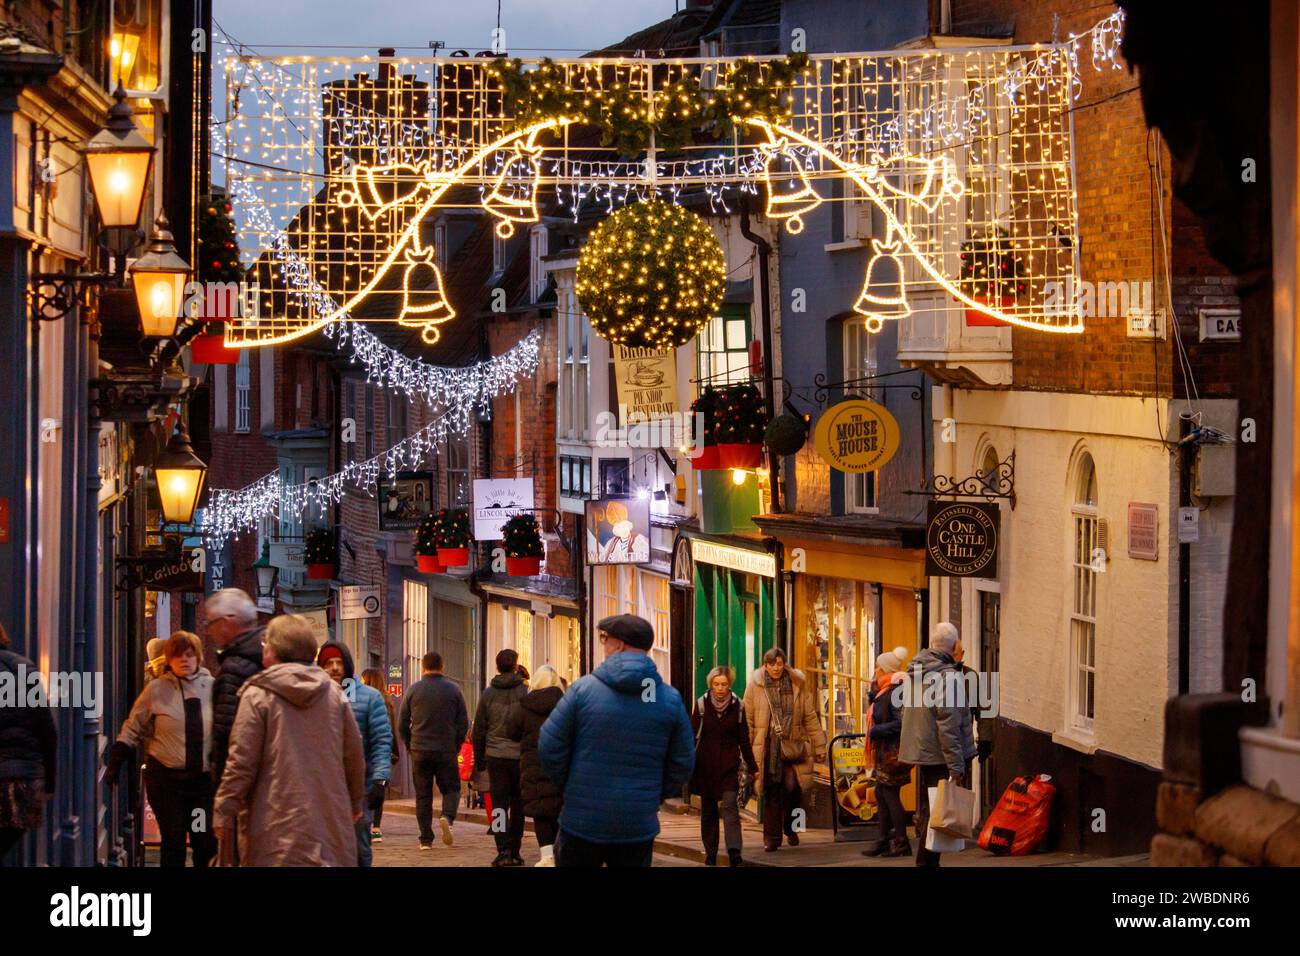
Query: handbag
(792, 751)
(955, 812)
(937, 840)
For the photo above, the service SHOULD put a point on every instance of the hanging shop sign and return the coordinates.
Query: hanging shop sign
(404, 499)
(358, 603)
(1143, 525)
(495, 501)
(762, 563)
(319, 619)
(857, 436)
(618, 531)
(647, 383)
(961, 539)
(287, 555)
(173, 574)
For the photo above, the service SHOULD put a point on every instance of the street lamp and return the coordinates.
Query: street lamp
(266, 572)
(180, 475)
(119, 159)
(159, 278)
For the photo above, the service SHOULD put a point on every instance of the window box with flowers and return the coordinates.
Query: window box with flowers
(426, 546)
(523, 544)
(451, 533)
(320, 554)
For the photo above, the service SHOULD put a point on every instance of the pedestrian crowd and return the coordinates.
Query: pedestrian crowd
(230, 760)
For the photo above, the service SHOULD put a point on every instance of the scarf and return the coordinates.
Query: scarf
(722, 705)
(782, 706)
(193, 728)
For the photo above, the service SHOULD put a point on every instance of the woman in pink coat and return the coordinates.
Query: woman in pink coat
(294, 782)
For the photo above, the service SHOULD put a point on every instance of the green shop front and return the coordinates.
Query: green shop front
(734, 604)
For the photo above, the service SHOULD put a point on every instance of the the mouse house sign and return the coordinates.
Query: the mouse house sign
(856, 436)
(961, 539)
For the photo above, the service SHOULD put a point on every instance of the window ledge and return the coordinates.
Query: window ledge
(845, 246)
(1076, 740)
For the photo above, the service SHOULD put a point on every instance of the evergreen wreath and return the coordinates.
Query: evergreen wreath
(426, 536)
(451, 528)
(991, 270)
(683, 108)
(522, 538)
(786, 433)
(218, 250)
(320, 547)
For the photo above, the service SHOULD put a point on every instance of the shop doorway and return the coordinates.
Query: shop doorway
(990, 618)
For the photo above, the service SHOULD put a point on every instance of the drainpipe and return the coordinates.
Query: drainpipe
(765, 308)
(1186, 452)
(945, 463)
(86, 639)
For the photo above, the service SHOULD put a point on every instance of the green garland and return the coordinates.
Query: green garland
(522, 538)
(451, 528)
(426, 536)
(683, 109)
(320, 547)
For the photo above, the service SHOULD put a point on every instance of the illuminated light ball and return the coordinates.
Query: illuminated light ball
(637, 295)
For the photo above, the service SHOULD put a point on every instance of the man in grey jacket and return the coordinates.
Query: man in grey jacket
(494, 750)
(936, 734)
(433, 723)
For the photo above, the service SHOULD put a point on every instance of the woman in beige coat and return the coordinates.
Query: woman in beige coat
(295, 777)
(788, 740)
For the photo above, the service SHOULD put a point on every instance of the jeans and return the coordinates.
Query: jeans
(930, 776)
(182, 804)
(426, 768)
(782, 796)
(364, 854)
(893, 823)
(508, 799)
(546, 829)
(710, 811)
(576, 852)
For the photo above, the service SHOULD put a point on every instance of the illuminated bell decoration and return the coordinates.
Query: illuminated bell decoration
(651, 276)
(179, 473)
(118, 159)
(788, 199)
(884, 273)
(514, 192)
(423, 304)
(159, 277)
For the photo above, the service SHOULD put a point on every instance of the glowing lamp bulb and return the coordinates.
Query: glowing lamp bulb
(738, 476)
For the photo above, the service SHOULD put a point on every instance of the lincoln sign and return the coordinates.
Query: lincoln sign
(961, 540)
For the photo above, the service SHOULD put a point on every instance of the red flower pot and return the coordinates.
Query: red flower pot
(974, 317)
(429, 564)
(707, 459)
(211, 350)
(320, 572)
(453, 557)
(523, 567)
(740, 456)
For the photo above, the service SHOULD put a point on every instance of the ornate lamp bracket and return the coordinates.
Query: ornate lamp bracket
(997, 483)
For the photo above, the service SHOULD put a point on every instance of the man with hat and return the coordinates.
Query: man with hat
(617, 743)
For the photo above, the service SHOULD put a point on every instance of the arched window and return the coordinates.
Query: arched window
(1088, 561)
(988, 470)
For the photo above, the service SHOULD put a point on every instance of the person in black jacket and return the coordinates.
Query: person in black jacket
(27, 750)
(494, 750)
(721, 742)
(432, 724)
(890, 775)
(232, 626)
(542, 798)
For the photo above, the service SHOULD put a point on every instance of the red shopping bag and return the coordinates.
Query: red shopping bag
(1021, 819)
(465, 761)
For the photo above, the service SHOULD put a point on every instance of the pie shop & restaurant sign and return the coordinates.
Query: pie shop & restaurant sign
(961, 539)
(856, 436)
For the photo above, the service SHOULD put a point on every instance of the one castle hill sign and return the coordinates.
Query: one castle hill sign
(961, 539)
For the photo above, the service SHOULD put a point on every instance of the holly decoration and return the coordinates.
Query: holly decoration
(218, 242)
(426, 536)
(991, 270)
(451, 528)
(786, 433)
(683, 109)
(738, 416)
(320, 547)
(522, 537)
(706, 405)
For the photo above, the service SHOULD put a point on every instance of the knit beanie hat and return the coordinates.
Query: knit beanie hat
(328, 653)
(891, 662)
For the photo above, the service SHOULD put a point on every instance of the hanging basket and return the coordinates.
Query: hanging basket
(740, 456)
(707, 459)
(523, 567)
(320, 572)
(429, 564)
(974, 317)
(453, 557)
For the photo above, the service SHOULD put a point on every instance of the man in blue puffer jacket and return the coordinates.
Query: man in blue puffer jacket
(376, 732)
(617, 743)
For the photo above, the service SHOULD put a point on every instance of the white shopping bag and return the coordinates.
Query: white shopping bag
(937, 841)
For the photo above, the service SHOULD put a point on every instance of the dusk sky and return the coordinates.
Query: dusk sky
(533, 27)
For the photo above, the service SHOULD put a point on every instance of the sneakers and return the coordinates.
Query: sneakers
(426, 846)
(376, 835)
(445, 825)
(548, 857)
